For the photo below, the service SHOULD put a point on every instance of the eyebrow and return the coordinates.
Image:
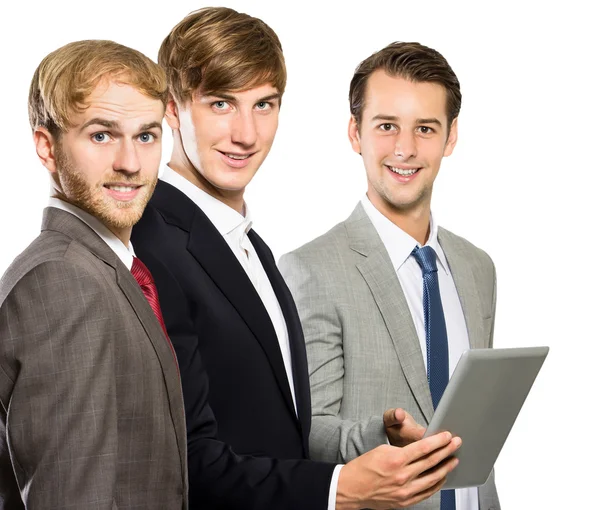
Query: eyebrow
(229, 97)
(393, 118)
(111, 124)
(277, 95)
(432, 120)
(151, 125)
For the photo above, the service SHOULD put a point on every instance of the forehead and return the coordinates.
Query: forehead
(394, 95)
(120, 102)
(250, 94)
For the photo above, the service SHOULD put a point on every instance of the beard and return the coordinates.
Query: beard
(92, 198)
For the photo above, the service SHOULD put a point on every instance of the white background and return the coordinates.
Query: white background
(522, 182)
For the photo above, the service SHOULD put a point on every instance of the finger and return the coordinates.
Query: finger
(425, 446)
(438, 457)
(412, 434)
(424, 494)
(420, 487)
(412, 430)
(427, 484)
(436, 475)
(393, 417)
(410, 420)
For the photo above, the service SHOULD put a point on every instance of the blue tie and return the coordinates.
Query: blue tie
(436, 339)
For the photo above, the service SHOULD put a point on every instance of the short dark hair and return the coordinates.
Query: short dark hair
(411, 61)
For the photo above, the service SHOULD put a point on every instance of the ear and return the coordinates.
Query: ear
(45, 146)
(172, 113)
(452, 138)
(354, 134)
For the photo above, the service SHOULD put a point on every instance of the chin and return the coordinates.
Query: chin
(124, 219)
(120, 215)
(233, 184)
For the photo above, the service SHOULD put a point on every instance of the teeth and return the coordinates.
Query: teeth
(236, 156)
(124, 189)
(405, 173)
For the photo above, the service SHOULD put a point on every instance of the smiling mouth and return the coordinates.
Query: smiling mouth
(121, 188)
(237, 157)
(403, 172)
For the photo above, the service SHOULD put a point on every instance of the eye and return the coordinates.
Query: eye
(425, 130)
(387, 127)
(220, 105)
(264, 105)
(101, 137)
(147, 137)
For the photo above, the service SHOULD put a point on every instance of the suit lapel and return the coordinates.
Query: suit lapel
(294, 328)
(213, 254)
(161, 346)
(466, 287)
(377, 270)
(73, 227)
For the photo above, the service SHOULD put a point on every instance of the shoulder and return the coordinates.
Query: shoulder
(477, 256)
(321, 265)
(325, 249)
(52, 263)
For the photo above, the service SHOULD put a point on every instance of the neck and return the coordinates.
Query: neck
(123, 234)
(414, 221)
(181, 164)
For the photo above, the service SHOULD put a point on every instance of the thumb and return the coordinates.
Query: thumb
(393, 417)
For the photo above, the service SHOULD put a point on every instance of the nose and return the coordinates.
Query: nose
(243, 130)
(405, 146)
(126, 157)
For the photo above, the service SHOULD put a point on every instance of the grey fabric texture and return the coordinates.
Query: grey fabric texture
(363, 351)
(92, 412)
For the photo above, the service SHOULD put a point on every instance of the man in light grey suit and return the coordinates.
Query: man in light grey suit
(360, 288)
(92, 413)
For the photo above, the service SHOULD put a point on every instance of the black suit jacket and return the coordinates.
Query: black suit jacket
(222, 332)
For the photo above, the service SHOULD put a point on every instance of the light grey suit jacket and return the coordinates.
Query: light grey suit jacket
(92, 413)
(363, 351)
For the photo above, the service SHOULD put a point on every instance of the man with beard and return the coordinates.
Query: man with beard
(92, 409)
(226, 304)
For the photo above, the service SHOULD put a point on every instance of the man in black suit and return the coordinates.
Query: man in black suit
(225, 303)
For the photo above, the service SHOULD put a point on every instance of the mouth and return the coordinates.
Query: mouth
(122, 192)
(236, 159)
(403, 174)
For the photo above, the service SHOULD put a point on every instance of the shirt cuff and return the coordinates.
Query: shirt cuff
(333, 487)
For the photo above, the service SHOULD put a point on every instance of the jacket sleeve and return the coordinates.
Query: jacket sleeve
(332, 438)
(57, 387)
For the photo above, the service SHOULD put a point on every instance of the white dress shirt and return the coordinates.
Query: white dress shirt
(125, 253)
(234, 228)
(399, 246)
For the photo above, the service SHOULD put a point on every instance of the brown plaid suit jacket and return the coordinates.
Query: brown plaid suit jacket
(92, 413)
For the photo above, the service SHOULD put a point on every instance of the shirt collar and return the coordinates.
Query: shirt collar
(125, 253)
(224, 218)
(397, 242)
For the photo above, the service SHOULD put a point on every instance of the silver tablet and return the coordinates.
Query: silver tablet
(480, 405)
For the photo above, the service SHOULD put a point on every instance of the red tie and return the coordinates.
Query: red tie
(142, 275)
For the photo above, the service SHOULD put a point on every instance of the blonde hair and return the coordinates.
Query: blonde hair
(66, 77)
(220, 49)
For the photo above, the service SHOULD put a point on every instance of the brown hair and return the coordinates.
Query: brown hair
(221, 50)
(411, 61)
(67, 76)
